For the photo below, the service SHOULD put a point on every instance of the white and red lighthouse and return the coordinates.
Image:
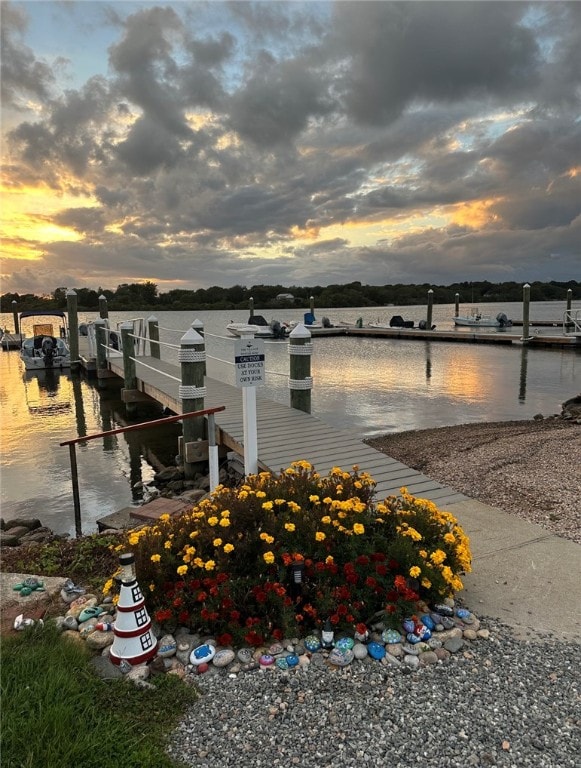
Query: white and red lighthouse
(134, 640)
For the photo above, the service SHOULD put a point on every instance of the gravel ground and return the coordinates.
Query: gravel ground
(504, 702)
(531, 469)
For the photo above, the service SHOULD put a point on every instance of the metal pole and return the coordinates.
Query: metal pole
(75, 481)
(569, 322)
(456, 305)
(73, 328)
(251, 306)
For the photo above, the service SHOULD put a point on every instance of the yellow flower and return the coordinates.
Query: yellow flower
(449, 538)
(108, 586)
(198, 562)
(182, 570)
(152, 587)
(293, 506)
(225, 513)
(260, 494)
(426, 583)
(290, 527)
(268, 557)
(267, 505)
(314, 498)
(167, 544)
(193, 534)
(210, 565)
(320, 536)
(415, 571)
(358, 529)
(164, 518)
(155, 558)
(358, 484)
(228, 548)
(327, 500)
(224, 522)
(423, 553)
(329, 559)
(438, 557)
(326, 520)
(217, 542)
(212, 521)
(115, 599)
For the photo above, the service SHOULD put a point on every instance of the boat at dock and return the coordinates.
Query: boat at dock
(45, 349)
(260, 327)
(478, 320)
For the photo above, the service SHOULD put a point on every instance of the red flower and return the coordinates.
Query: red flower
(162, 615)
(400, 582)
(391, 608)
(392, 595)
(221, 578)
(370, 582)
(378, 557)
(380, 570)
(234, 615)
(178, 602)
(224, 639)
(277, 634)
(362, 560)
(351, 578)
(183, 617)
(361, 628)
(342, 609)
(201, 596)
(335, 618)
(253, 638)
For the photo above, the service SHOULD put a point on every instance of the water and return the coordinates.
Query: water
(369, 386)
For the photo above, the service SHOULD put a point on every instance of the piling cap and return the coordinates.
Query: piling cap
(128, 558)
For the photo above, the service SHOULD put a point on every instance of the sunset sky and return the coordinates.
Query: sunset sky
(220, 143)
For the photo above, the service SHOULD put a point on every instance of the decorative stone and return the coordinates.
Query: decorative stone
(427, 658)
(483, 633)
(345, 643)
(74, 636)
(361, 637)
(250, 666)
(281, 663)
(245, 655)
(98, 640)
(71, 592)
(447, 622)
(312, 643)
(202, 654)
(391, 636)
(442, 654)
(410, 649)
(390, 660)
(443, 609)
(292, 660)
(376, 650)
(469, 634)
(394, 649)
(408, 625)
(79, 605)
(340, 657)
(202, 668)
(422, 632)
(434, 642)
(275, 649)
(411, 661)
(223, 657)
(412, 639)
(266, 660)
(427, 621)
(360, 651)
(70, 623)
(167, 646)
(140, 672)
(462, 613)
(87, 627)
(454, 644)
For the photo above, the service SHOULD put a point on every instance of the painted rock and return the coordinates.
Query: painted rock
(340, 657)
(408, 625)
(422, 632)
(443, 609)
(412, 639)
(447, 622)
(245, 655)
(312, 643)
(462, 613)
(410, 650)
(360, 651)
(376, 650)
(223, 657)
(281, 663)
(70, 623)
(428, 622)
(345, 643)
(202, 654)
(266, 660)
(202, 667)
(362, 637)
(167, 646)
(391, 636)
(275, 649)
(90, 613)
(292, 660)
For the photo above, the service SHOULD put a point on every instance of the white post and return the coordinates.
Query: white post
(213, 453)
(249, 423)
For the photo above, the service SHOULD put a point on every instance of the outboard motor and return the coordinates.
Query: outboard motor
(326, 322)
(396, 321)
(48, 350)
(278, 331)
(503, 320)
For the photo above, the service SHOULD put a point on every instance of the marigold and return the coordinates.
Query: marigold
(228, 548)
(290, 527)
(155, 558)
(217, 542)
(224, 522)
(210, 565)
(167, 544)
(212, 521)
(415, 571)
(358, 529)
(320, 536)
(182, 570)
(268, 558)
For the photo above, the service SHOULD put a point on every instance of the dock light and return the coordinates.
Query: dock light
(134, 640)
(296, 573)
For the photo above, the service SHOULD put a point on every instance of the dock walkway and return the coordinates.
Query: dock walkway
(286, 434)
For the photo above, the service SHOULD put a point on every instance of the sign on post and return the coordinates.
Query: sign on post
(249, 362)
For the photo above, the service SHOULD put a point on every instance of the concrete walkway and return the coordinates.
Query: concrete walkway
(522, 574)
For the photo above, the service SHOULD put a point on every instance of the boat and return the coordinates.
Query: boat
(397, 321)
(259, 326)
(478, 320)
(45, 349)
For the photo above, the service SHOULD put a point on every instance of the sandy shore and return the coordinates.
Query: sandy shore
(531, 469)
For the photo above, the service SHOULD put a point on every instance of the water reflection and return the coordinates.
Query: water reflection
(522, 391)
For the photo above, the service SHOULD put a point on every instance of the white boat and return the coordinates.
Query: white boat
(260, 327)
(477, 320)
(45, 349)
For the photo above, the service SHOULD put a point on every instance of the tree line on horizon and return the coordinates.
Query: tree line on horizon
(145, 296)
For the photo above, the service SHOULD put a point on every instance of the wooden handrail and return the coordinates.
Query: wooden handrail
(144, 425)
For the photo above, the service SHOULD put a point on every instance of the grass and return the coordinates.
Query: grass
(57, 713)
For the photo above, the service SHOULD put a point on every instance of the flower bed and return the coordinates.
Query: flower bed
(281, 554)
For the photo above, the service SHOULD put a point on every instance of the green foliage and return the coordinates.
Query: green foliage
(56, 712)
(229, 567)
(142, 296)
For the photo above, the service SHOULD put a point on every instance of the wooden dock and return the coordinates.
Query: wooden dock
(286, 434)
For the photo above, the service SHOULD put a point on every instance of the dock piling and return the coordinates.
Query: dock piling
(15, 318)
(456, 305)
(129, 374)
(101, 341)
(103, 310)
(192, 357)
(430, 308)
(73, 329)
(569, 324)
(153, 331)
(300, 383)
(526, 300)
(251, 306)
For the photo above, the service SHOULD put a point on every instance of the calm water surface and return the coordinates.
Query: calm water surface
(370, 386)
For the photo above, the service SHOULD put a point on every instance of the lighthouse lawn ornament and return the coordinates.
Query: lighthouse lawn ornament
(134, 640)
